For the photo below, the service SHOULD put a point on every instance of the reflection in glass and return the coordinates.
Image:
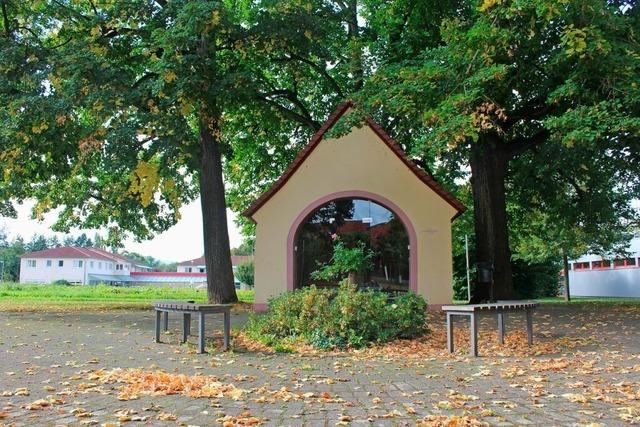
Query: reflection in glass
(353, 221)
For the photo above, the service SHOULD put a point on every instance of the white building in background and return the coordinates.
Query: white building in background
(197, 265)
(76, 265)
(594, 276)
(93, 266)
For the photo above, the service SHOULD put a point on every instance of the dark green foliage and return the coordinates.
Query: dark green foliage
(345, 260)
(244, 273)
(536, 280)
(61, 282)
(338, 319)
(10, 258)
(531, 279)
(246, 248)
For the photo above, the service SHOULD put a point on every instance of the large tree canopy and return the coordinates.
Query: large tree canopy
(120, 112)
(539, 101)
(114, 112)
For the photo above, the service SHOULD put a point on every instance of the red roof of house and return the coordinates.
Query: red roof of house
(66, 252)
(77, 252)
(166, 274)
(390, 142)
(235, 260)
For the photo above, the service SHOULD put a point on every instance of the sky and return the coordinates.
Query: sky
(181, 242)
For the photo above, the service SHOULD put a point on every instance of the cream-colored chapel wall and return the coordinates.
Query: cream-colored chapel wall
(357, 161)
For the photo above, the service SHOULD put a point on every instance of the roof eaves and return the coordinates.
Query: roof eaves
(299, 159)
(382, 134)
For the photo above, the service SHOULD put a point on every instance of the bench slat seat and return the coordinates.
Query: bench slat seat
(499, 308)
(187, 308)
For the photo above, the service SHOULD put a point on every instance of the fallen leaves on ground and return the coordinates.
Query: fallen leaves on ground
(244, 419)
(157, 383)
(450, 421)
(42, 403)
(166, 416)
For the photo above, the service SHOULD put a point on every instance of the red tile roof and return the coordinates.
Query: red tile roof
(390, 142)
(66, 252)
(165, 274)
(78, 252)
(235, 260)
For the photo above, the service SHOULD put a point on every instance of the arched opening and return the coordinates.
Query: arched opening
(354, 221)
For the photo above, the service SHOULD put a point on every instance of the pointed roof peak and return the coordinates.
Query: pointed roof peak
(331, 121)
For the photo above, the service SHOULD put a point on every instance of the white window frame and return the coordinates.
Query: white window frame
(60, 263)
(31, 263)
(49, 263)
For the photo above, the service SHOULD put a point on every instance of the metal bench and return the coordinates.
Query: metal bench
(187, 308)
(499, 308)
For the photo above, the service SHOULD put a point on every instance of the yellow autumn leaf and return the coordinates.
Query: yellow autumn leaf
(185, 108)
(37, 129)
(169, 76)
(215, 17)
(575, 397)
(144, 182)
(488, 4)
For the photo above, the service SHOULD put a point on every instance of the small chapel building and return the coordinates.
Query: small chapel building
(359, 187)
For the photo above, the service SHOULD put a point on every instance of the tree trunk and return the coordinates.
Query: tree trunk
(488, 169)
(217, 255)
(352, 278)
(565, 261)
(353, 31)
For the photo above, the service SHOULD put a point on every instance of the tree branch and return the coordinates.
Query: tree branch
(93, 6)
(142, 79)
(306, 121)
(320, 70)
(532, 110)
(518, 146)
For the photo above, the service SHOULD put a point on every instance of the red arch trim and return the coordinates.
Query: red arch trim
(355, 194)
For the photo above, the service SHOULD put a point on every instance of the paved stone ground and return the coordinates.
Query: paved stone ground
(593, 381)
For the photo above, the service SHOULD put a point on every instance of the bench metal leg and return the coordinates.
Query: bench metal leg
(529, 328)
(449, 333)
(226, 330)
(201, 333)
(474, 334)
(165, 325)
(158, 314)
(501, 328)
(186, 326)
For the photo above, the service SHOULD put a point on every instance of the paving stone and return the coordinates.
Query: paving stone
(33, 344)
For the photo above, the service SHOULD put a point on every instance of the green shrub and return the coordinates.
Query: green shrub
(244, 273)
(61, 282)
(339, 318)
(345, 260)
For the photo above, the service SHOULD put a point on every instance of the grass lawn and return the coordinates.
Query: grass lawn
(19, 297)
(583, 300)
(592, 300)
